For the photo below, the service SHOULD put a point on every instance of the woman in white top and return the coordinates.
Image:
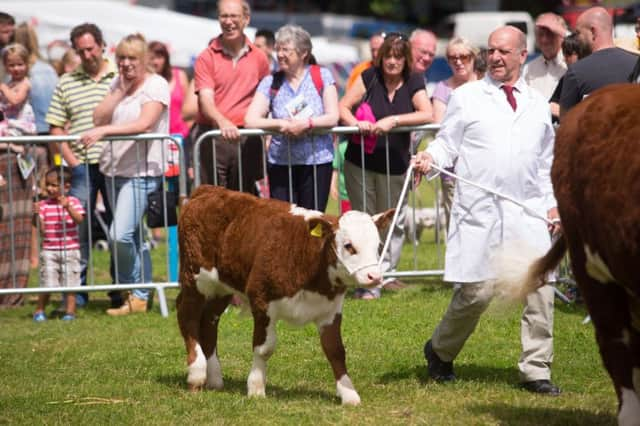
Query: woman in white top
(138, 102)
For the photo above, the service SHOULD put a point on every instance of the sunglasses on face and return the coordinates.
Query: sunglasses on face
(462, 58)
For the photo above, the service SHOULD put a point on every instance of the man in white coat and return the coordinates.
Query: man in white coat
(500, 131)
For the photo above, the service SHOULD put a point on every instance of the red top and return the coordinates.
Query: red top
(233, 84)
(60, 231)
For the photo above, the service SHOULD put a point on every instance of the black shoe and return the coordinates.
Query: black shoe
(439, 370)
(544, 387)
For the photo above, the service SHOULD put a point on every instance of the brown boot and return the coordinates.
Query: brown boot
(131, 306)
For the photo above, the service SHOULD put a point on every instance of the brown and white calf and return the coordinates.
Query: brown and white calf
(596, 180)
(287, 263)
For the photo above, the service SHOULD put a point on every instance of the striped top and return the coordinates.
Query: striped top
(74, 100)
(60, 231)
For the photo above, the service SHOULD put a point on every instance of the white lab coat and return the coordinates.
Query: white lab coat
(508, 151)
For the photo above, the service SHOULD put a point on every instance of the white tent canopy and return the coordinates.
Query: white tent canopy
(185, 35)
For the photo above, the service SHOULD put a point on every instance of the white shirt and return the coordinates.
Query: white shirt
(543, 74)
(127, 158)
(508, 151)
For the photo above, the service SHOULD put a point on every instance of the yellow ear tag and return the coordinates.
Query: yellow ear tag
(317, 231)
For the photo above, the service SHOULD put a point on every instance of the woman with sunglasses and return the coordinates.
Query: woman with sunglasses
(397, 97)
(461, 56)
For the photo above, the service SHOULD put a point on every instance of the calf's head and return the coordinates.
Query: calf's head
(357, 242)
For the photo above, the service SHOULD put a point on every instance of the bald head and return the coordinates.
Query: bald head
(595, 28)
(507, 53)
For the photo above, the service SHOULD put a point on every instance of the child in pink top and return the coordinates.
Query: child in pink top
(58, 217)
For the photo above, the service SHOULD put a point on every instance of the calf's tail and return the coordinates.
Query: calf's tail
(519, 273)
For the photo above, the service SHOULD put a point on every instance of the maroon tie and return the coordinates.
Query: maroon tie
(510, 98)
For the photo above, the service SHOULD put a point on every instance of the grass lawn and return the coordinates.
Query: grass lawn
(132, 370)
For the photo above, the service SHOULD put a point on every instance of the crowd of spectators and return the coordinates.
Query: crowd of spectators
(275, 84)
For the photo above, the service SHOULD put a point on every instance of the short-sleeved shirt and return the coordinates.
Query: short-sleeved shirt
(399, 143)
(74, 100)
(442, 92)
(601, 68)
(233, 81)
(127, 158)
(60, 231)
(543, 74)
(305, 150)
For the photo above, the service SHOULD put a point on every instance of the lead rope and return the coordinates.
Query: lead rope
(477, 185)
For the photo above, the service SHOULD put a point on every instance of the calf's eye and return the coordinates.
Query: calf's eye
(349, 247)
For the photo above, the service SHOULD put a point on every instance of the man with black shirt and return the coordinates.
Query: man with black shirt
(606, 65)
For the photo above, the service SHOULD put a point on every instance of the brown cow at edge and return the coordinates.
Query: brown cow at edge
(286, 262)
(596, 180)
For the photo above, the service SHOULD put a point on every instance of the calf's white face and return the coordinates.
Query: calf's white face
(357, 243)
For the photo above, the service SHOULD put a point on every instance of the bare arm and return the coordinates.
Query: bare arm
(256, 117)
(423, 114)
(190, 103)
(439, 109)
(17, 93)
(75, 214)
(349, 100)
(65, 148)
(207, 107)
(103, 112)
(149, 115)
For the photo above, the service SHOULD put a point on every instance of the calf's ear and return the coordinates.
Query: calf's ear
(382, 220)
(320, 228)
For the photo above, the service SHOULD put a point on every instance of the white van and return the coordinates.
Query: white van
(476, 27)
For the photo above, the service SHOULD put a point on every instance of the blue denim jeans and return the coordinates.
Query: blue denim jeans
(86, 181)
(128, 248)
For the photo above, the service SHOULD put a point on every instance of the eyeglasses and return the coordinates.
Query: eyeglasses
(462, 58)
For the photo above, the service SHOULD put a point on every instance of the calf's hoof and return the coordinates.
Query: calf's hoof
(346, 391)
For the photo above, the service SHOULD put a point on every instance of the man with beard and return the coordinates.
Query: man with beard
(606, 64)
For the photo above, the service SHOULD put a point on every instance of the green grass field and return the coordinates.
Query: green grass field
(132, 370)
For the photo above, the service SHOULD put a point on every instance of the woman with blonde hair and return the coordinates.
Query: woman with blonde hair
(42, 75)
(461, 57)
(137, 102)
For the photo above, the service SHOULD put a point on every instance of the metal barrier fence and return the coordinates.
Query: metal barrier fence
(171, 256)
(337, 131)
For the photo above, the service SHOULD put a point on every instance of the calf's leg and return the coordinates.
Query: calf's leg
(213, 309)
(331, 341)
(264, 343)
(190, 305)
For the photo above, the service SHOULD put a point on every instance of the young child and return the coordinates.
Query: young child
(58, 217)
(18, 118)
